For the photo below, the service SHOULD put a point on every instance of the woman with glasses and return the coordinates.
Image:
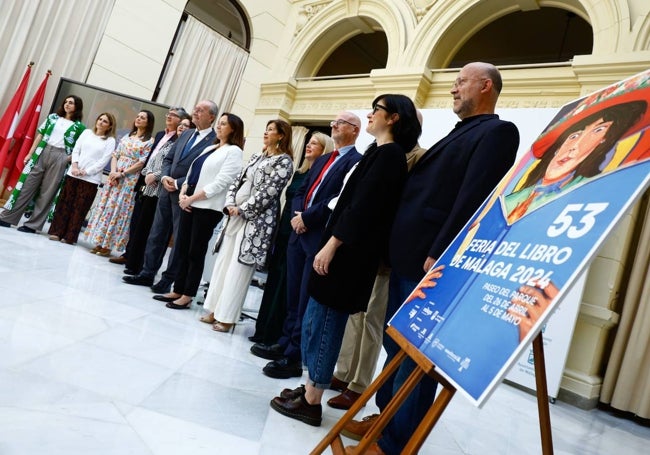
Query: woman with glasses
(355, 241)
(148, 195)
(109, 222)
(91, 152)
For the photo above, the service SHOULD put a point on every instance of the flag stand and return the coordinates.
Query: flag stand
(424, 366)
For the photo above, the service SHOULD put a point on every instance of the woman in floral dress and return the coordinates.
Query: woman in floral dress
(108, 227)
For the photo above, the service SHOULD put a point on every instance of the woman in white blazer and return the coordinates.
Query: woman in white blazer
(202, 198)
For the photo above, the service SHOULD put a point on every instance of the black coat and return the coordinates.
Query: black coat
(361, 220)
(446, 186)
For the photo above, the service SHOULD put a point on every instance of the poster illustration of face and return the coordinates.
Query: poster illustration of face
(510, 266)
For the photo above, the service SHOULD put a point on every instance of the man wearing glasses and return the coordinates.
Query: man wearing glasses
(310, 206)
(442, 191)
(166, 220)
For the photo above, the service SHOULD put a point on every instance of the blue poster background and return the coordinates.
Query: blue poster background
(474, 323)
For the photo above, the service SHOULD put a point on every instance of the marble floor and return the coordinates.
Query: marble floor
(91, 365)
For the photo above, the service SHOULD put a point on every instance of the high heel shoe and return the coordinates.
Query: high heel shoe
(223, 327)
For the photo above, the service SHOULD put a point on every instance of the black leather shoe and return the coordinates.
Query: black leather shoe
(299, 409)
(27, 229)
(283, 369)
(269, 352)
(138, 280)
(255, 339)
(4, 224)
(130, 272)
(161, 287)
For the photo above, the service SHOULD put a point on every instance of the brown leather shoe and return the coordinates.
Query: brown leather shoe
(299, 409)
(374, 449)
(292, 394)
(338, 385)
(118, 260)
(344, 400)
(357, 429)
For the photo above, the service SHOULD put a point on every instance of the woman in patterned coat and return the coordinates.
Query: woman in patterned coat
(252, 207)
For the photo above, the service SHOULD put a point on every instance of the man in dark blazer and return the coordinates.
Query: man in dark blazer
(443, 190)
(310, 205)
(166, 220)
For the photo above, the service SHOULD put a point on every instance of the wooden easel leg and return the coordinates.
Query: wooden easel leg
(542, 396)
(430, 419)
(389, 411)
(333, 437)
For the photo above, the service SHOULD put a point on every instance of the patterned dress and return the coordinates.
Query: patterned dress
(109, 223)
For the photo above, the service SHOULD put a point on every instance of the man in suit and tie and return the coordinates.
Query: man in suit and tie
(310, 205)
(166, 220)
(442, 191)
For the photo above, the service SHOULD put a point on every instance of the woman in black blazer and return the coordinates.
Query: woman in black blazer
(355, 240)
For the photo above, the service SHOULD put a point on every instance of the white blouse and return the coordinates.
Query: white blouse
(91, 153)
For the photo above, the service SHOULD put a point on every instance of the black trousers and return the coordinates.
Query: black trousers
(139, 232)
(194, 234)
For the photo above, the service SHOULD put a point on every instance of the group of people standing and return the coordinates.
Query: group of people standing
(361, 244)
(357, 233)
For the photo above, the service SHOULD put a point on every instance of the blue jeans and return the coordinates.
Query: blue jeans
(410, 414)
(322, 336)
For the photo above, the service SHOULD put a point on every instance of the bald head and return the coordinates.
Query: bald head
(476, 89)
(345, 129)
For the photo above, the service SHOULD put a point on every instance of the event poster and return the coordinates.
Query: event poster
(512, 263)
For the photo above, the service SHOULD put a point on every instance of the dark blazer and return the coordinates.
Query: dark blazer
(361, 220)
(446, 187)
(316, 216)
(174, 166)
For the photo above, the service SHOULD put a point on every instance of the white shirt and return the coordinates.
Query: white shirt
(91, 153)
(60, 127)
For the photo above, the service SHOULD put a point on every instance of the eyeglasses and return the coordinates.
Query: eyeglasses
(459, 82)
(184, 125)
(339, 122)
(172, 114)
(378, 106)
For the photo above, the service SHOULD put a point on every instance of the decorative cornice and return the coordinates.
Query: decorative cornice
(308, 11)
(420, 7)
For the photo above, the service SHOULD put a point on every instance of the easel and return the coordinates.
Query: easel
(333, 438)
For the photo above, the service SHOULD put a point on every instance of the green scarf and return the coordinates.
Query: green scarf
(69, 139)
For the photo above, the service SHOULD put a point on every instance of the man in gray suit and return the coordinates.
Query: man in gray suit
(175, 166)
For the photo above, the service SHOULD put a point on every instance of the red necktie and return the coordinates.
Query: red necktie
(329, 162)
